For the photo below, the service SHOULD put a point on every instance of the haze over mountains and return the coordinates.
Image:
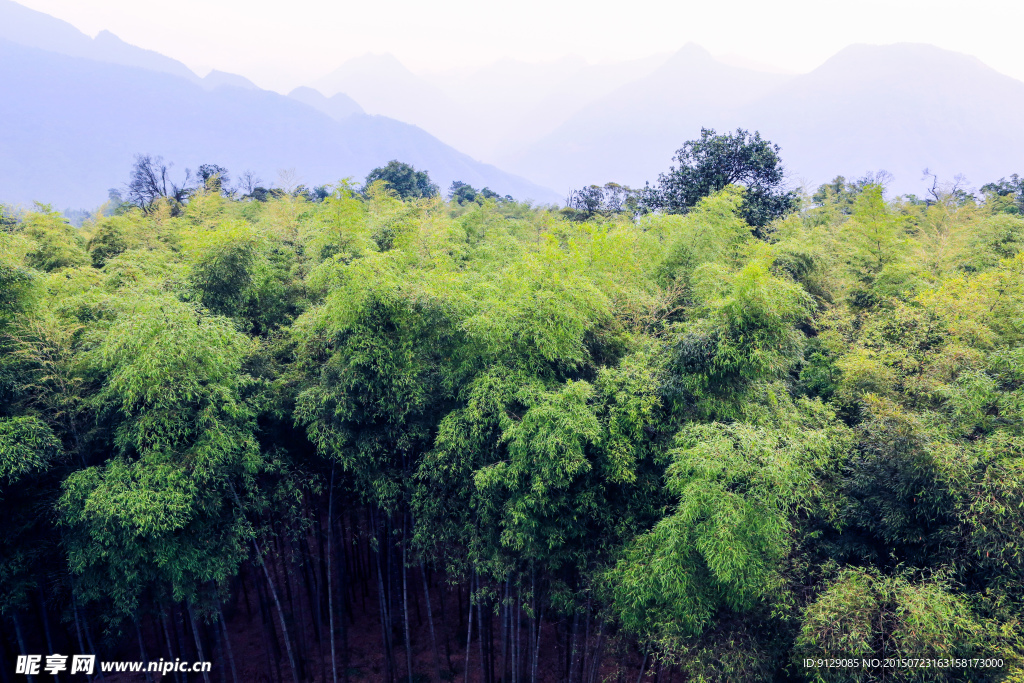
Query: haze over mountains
(79, 109)
(75, 116)
(489, 113)
(901, 108)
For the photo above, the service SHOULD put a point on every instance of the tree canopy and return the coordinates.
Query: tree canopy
(403, 180)
(715, 161)
(370, 432)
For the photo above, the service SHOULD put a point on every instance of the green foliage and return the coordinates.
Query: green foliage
(739, 488)
(182, 437)
(727, 448)
(172, 379)
(17, 282)
(713, 232)
(1005, 196)
(714, 162)
(403, 180)
(27, 445)
(57, 245)
(109, 239)
(745, 332)
(875, 234)
(337, 228)
(895, 486)
(865, 615)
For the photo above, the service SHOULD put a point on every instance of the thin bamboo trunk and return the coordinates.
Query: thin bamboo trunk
(227, 642)
(480, 628)
(142, 650)
(469, 630)
(271, 648)
(221, 654)
(595, 658)
(346, 606)
(430, 621)
(88, 639)
(384, 621)
(179, 634)
(167, 637)
(643, 665)
(273, 594)
(405, 607)
(571, 649)
(330, 592)
(294, 596)
(517, 632)
(21, 641)
(46, 625)
(311, 580)
(584, 655)
(506, 616)
(531, 631)
(447, 638)
(280, 613)
(197, 636)
(536, 646)
(78, 626)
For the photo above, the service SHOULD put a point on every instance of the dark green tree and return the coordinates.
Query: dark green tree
(404, 180)
(1006, 196)
(213, 177)
(713, 162)
(462, 192)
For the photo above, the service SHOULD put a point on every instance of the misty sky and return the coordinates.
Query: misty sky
(279, 45)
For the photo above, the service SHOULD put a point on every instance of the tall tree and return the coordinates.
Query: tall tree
(404, 180)
(713, 162)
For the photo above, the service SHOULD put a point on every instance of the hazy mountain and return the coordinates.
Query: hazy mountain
(222, 79)
(339, 107)
(28, 27)
(630, 134)
(383, 85)
(503, 106)
(900, 108)
(73, 126)
(510, 103)
(563, 123)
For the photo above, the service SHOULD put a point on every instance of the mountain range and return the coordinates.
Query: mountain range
(565, 124)
(900, 108)
(76, 112)
(78, 109)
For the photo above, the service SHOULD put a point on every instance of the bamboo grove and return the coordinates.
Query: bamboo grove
(361, 438)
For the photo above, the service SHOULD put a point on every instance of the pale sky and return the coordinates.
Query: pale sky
(282, 44)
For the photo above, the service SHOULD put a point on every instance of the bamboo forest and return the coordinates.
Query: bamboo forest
(378, 432)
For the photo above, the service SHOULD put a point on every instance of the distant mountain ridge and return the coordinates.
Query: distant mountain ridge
(76, 124)
(339, 107)
(562, 124)
(30, 28)
(486, 111)
(629, 134)
(901, 108)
